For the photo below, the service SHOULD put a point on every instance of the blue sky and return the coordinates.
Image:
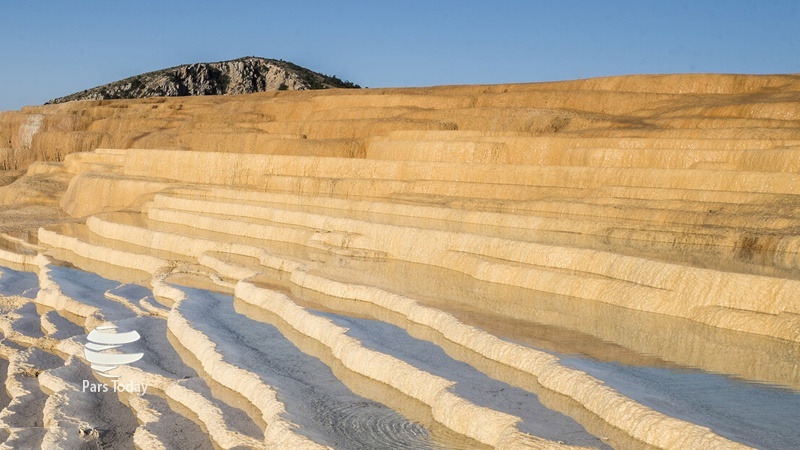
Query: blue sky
(54, 48)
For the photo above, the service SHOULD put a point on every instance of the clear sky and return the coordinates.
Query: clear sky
(54, 48)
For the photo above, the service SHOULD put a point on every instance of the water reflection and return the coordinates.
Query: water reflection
(583, 327)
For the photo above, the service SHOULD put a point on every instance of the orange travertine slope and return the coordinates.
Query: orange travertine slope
(650, 221)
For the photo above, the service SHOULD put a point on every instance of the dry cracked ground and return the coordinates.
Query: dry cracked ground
(607, 263)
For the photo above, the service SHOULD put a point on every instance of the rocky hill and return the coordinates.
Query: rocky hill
(239, 76)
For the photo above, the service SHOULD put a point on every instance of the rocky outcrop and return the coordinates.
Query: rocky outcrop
(239, 76)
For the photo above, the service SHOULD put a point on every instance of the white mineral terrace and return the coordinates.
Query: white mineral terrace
(608, 263)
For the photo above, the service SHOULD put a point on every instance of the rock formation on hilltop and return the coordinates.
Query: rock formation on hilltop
(239, 76)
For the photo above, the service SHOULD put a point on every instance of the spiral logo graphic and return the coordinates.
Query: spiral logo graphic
(104, 338)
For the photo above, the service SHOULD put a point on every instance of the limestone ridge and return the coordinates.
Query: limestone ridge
(239, 76)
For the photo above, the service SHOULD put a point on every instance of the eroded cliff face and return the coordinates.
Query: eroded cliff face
(653, 217)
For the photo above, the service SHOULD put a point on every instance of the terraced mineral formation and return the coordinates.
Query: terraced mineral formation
(587, 264)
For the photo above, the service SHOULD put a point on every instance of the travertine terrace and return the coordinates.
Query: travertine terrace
(647, 221)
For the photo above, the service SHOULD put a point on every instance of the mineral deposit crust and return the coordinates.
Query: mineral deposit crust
(672, 197)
